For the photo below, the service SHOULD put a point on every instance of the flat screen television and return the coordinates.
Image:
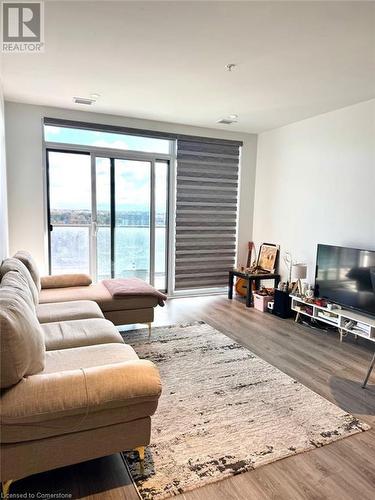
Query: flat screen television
(346, 276)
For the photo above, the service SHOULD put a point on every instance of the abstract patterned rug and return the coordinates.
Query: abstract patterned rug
(224, 411)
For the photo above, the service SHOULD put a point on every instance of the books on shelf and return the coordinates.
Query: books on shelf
(327, 315)
(357, 327)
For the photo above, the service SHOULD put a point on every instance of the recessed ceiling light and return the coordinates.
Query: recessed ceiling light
(227, 120)
(230, 66)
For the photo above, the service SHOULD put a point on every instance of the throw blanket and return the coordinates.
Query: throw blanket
(132, 287)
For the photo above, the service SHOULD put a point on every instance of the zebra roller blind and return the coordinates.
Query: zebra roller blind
(206, 212)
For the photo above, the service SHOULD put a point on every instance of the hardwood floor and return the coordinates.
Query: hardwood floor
(340, 471)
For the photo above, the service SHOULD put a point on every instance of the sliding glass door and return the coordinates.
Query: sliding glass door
(102, 258)
(109, 216)
(161, 182)
(70, 217)
(132, 219)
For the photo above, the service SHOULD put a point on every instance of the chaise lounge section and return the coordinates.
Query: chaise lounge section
(121, 310)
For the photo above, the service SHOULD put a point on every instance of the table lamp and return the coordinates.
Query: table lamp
(299, 273)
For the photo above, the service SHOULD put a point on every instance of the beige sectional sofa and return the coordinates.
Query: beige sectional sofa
(120, 311)
(73, 287)
(71, 389)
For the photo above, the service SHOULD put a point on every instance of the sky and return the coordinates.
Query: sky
(70, 174)
(105, 139)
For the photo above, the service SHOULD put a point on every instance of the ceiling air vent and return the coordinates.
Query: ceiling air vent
(84, 100)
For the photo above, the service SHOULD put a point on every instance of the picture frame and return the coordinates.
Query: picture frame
(267, 257)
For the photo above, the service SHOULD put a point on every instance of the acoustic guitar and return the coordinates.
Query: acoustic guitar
(241, 283)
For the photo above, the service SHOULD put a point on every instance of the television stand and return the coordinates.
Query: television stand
(347, 322)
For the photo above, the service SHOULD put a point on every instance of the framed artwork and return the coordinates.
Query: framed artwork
(267, 257)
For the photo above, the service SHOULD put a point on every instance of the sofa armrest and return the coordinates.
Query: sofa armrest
(48, 396)
(65, 280)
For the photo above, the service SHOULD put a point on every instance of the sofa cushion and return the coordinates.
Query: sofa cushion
(65, 280)
(99, 293)
(78, 333)
(12, 264)
(64, 311)
(84, 395)
(17, 284)
(22, 350)
(29, 262)
(88, 356)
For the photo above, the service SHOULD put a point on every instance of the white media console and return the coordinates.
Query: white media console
(347, 322)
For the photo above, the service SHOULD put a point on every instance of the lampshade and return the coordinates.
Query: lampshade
(299, 271)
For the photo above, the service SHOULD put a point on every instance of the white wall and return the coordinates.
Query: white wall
(27, 228)
(315, 183)
(3, 185)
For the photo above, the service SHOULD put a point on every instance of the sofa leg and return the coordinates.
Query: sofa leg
(149, 329)
(141, 452)
(5, 485)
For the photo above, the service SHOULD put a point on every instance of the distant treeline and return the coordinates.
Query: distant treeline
(123, 218)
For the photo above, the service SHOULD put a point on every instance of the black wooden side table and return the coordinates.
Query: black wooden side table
(257, 278)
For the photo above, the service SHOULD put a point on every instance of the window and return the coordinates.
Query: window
(70, 211)
(161, 223)
(108, 214)
(101, 139)
(132, 220)
(109, 205)
(103, 217)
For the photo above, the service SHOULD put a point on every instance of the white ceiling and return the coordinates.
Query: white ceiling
(165, 60)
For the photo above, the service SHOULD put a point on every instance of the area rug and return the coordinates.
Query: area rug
(224, 411)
